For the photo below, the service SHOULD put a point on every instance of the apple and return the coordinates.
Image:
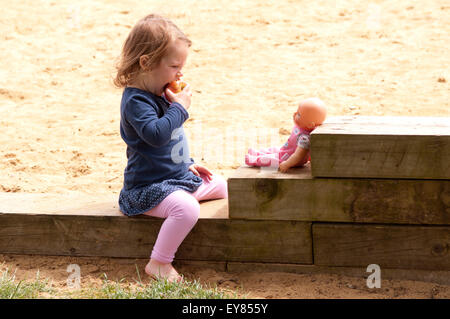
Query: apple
(176, 86)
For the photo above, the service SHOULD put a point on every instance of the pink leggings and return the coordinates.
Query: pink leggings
(181, 210)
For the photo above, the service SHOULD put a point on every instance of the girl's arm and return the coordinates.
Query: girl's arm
(151, 129)
(298, 158)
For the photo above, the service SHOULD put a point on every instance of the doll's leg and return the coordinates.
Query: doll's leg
(262, 160)
(269, 150)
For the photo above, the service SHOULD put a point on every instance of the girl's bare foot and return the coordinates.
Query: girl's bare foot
(155, 269)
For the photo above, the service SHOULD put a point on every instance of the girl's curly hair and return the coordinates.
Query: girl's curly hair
(150, 36)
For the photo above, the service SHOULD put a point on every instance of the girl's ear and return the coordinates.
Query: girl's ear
(143, 62)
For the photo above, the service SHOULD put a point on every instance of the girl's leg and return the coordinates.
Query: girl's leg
(214, 189)
(181, 210)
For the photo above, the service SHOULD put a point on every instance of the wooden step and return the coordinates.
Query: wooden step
(263, 194)
(84, 225)
(382, 147)
(389, 246)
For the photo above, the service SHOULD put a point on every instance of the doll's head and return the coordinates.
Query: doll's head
(311, 113)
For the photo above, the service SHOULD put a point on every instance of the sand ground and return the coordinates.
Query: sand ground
(247, 284)
(250, 63)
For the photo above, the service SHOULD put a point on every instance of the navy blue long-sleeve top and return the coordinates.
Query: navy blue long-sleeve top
(157, 150)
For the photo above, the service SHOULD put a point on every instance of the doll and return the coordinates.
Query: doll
(311, 113)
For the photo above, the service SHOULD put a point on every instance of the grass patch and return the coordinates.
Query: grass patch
(159, 288)
(11, 289)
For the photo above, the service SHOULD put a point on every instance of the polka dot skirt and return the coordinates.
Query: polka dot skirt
(139, 200)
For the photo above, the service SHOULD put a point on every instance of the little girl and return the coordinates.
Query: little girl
(159, 180)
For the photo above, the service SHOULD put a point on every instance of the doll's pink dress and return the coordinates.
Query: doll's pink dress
(273, 156)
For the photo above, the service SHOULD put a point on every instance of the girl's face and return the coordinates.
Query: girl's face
(169, 69)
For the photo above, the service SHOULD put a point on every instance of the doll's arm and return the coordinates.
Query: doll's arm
(299, 157)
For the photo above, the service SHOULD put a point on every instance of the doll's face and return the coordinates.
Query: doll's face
(310, 113)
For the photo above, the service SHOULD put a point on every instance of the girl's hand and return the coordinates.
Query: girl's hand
(197, 170)
(184, 97)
